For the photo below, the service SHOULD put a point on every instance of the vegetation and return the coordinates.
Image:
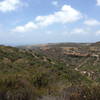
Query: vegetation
(49, 73)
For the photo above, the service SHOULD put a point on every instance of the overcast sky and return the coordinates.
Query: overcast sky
(48, 21)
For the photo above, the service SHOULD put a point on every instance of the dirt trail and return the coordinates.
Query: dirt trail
(82, 63)
(95, 62)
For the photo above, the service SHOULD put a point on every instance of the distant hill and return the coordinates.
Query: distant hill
(96, 44)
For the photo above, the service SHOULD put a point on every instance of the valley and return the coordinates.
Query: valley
(64, 71)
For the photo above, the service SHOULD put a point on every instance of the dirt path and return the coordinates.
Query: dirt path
(82, 63)
(95, 62)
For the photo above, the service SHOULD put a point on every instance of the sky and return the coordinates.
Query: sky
(28, 22)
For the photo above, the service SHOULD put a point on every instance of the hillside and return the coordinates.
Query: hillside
(83, 57)
(53, 71)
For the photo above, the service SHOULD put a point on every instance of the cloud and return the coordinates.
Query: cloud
(55, 3)
(79, 31)
(67, 14)
(98, 2)
(9, 5)
(92, 22)
(98, 32)
(48, 32)
(27, 27)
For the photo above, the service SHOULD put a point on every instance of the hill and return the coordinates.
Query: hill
(51, 71)
(82, 57)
